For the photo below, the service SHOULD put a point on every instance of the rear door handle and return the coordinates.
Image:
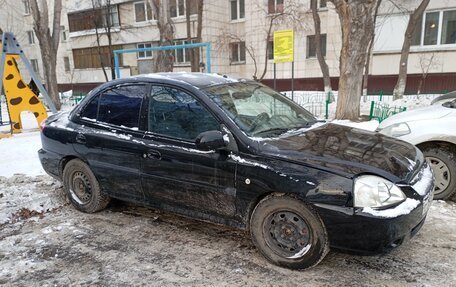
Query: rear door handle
(153, 154)
(80, 138)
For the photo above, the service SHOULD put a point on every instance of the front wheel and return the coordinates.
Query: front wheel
(443, 164)
(82, 188)
(288, 232)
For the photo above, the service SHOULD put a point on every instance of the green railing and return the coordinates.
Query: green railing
(316, 103)
(77, 98)
(380, 111)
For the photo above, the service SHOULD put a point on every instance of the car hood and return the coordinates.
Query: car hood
(420, 114)
(348, 152)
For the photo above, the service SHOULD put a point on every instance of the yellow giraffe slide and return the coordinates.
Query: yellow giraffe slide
(19, 95)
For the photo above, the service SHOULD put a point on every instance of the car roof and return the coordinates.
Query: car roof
(198, 80)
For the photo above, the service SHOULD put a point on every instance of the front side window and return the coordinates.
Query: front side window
(175, 113)
(258, 110)
(119, 106)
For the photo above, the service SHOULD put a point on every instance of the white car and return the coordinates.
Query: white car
(433, 130)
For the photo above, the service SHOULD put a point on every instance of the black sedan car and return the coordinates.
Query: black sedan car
(236, 152)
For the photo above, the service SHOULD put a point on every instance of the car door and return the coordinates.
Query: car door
(108, 139)
(174, 172)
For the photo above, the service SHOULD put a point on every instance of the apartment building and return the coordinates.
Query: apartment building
(237, 30)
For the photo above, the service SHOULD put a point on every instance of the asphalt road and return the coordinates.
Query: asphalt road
(134, 246)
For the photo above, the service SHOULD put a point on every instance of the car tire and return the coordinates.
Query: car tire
(442, 157)
(82, 188)
(288, 232)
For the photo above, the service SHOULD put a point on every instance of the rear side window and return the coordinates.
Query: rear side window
(120, 106)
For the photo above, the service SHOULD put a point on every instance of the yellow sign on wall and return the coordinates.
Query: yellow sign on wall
(283, 46)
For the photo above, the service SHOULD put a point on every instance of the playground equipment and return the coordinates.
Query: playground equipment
(20, 96)
(117, 53)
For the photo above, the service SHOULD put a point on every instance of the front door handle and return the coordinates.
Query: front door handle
(153, 154)
(80, 138)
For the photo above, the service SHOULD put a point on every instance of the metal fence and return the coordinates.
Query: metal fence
(380, 111)
(316, 103)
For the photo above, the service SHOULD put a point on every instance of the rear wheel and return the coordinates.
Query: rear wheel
(82, 187)
(288, 232)
(443, 163)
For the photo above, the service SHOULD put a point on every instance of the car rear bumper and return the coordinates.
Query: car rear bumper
(50, 162)
(369, 231)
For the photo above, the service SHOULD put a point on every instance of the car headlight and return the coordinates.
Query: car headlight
(396, 130)
(374, 191)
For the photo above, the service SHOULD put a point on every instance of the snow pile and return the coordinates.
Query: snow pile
(23, 196)
(19, 155)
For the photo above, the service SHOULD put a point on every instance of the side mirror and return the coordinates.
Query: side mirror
(210, 140)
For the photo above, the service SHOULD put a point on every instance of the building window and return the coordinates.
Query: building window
(92, 19)
(26, 6)
(271, 50)
(66, 63)
(312, 50)
(143, 12)
(35, 67)
(64, 35)
(237, 9)
(145, 54)
(31, 37)
(275, 6)
(323, 3)
(237, 52)
(439, 28)
(94, 57)
(182, 56)
(177, 7)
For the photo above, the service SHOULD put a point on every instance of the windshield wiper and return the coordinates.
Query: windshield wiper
(273, 131)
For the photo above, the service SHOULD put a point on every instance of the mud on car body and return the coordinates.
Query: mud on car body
(235, 152)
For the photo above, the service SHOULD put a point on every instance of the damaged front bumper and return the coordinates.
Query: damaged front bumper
(373, 231)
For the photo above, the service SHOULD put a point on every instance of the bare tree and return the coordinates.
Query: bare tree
(49, 42)
(321, 60)
(104, 23)
(357, 19)
(165, 60)
(415, 18)
(194, 53)
(426, 64)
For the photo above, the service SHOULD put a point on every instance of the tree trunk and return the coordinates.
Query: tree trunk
(321, 60)
(357, 25)
(49, 43)
(268, 38)
(165, 60)
(415, 17)
(369, 55)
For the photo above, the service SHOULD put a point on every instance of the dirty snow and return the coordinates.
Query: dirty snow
(402, 209)
(422, 185)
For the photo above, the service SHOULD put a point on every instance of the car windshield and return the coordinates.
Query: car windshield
(258, 110)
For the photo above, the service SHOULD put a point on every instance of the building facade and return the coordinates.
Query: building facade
(237, 30)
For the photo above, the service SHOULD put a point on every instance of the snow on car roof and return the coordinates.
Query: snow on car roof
(199, 80)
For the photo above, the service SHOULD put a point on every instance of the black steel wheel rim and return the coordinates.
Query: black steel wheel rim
(80, 187)
(287, 234)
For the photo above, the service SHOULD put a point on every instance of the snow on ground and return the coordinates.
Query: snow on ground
(19, 155)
